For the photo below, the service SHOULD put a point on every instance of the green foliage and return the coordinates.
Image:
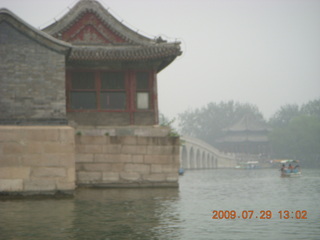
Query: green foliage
(299, 139)
(284, 115)
(312, 108)
(207, 123)
(289, 111)
(79, 133)
(164, 121)
(296, 133)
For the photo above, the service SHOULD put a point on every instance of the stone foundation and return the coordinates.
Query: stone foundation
(54, 159)
(36, 159)
(126, 161)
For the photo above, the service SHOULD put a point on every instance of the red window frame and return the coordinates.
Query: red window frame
(98, 89)
(106, 90)
(148, 90)
(130, 90)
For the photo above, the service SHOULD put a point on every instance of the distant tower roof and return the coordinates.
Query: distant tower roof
(248, 123)
(247, 129)
(98, 36)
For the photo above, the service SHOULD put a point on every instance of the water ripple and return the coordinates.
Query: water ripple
(183, 213)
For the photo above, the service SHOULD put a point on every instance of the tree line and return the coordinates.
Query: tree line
(296, 133)
(295, 130)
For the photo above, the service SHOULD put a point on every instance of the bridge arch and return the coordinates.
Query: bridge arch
(191, 159)
(203, 160)
(184, 158)
(197, 154)
(198, 160)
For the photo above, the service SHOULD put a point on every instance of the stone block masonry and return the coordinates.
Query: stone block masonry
(37, 159)
(51, 159)
(127, 161)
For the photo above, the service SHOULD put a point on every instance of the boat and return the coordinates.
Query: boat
(248, 165)
(288, 170)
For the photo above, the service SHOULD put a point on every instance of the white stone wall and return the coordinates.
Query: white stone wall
(51, 159)
(36, 159)
(127, 160)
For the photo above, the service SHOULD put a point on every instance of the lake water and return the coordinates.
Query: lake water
(175, 213)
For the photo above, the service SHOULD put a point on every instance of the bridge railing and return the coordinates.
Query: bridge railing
(197, 154)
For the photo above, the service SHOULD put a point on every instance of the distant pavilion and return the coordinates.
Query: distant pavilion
(247, 136)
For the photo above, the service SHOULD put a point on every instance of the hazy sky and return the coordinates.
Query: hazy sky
(264, 52)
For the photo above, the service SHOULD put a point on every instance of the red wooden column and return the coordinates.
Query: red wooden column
(131, 95)
(155, 97)
(68, 87)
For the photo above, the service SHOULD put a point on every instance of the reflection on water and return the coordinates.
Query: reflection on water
(169, 213)
(38, 219)
(125, 213)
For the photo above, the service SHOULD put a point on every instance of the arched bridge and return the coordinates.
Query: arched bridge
(197, 154)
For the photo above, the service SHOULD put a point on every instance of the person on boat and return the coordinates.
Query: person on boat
(290, 167)
(284, 170)
(296, 168)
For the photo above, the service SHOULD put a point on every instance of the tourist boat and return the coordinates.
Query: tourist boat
(248, 165)
(287, 170)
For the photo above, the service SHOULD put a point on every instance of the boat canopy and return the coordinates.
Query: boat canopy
(289, 161)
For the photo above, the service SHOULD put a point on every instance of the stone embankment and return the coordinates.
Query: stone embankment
(36, 159)
(55, 159)
(127, 161)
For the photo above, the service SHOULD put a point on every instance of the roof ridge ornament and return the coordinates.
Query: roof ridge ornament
(160, 40)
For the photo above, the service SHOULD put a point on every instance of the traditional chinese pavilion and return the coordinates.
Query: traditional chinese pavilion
(111, 72)
(79, 105)
(248, 136)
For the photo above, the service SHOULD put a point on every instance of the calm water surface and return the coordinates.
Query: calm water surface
(184, 213)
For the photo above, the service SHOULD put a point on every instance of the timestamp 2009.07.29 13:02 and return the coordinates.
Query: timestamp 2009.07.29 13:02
(262, 214)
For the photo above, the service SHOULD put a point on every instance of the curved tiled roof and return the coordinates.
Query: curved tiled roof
(134, 46)
(247, 129)
(248, 123)
(125, 53)
(39, 36)
(92, 6)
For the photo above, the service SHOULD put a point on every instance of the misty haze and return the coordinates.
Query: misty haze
(159, 119)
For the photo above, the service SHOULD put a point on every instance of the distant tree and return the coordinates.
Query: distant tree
(207, 123)
(296, 131)
(283, 116)
(312, 108)
(299, 139)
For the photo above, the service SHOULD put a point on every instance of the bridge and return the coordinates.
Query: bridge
(197, 154)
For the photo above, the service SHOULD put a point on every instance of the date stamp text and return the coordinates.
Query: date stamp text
(262, 214)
